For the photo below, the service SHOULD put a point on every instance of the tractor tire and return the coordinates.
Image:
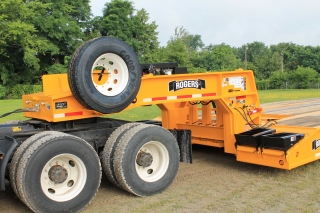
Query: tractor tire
(58, 173)
(107, 154)
(146, 160)
(104, 75)
(17, 156)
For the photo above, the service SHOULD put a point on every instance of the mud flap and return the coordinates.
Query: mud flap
(183, 138)
(6, 149)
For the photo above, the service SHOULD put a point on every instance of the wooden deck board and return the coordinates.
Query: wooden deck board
(304, 112)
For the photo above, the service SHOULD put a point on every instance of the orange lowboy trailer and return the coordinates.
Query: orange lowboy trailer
(227, 105)
(53, 159)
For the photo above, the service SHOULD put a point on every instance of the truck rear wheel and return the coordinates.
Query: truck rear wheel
(105, 75)
(17, 156)
(107, 155)
(58, 173)
(146, 160)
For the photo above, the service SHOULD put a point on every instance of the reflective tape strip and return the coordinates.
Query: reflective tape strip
(240, 97)
(61, 115)
(159, 99)
(67, 114)
(171, 97)
(147, 100)
(178, 97)
(184, 96)
(73, 113)
(196, 96)
(208, 94)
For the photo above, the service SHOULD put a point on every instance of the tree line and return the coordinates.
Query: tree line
(39, 36)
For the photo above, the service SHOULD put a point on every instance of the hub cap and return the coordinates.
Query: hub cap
(110, 74)
(152, 161)
(63, 177)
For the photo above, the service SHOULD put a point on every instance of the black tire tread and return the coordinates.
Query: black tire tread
(107, 156)
(119, 154)
(17, 156)
(72, 66)
(30, 151)
(75, 81)
(122, 152)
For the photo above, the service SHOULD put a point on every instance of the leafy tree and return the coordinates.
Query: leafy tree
(180, 33)
(192, 42)
(20, 45)
(218, 57)
(193, 46)
(121, 20)
(62, 24)
(309, 57)
(278, 79)
(176, 51)
(287, 55)
(145, 40)
(92, 28)
(259, 54)
(303, 76)
(117, 20)
(37, 37)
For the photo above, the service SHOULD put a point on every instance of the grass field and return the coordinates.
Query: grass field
(146, 113)
(267, 96)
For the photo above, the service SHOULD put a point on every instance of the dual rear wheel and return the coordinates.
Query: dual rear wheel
(141, 159)
(55, 172)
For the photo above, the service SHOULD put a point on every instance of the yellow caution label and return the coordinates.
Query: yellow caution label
(16, 129)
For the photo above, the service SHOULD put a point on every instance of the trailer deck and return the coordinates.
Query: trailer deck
(303, 112)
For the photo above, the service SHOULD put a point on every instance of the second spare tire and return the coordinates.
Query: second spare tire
(104, 75)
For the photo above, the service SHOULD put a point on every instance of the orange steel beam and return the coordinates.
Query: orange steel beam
(228, 90)
(225, 98)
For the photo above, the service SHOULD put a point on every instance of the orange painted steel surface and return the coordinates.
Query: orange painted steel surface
(56, 102)
(211, 105)
(301, 153)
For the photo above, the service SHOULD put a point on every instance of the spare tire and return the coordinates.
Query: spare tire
(104, 75)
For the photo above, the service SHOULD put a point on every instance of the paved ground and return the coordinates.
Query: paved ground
(304, 112)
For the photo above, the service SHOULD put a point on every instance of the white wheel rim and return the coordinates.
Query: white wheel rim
(72, 185)
(110, 74)
(159, 165)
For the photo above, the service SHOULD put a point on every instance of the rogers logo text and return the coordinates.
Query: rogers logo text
(196, 84)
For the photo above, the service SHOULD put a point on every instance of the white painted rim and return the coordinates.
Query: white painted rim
(159, 165)
(72, 186)
(116, 71)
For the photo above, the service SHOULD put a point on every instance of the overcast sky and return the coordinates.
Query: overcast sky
(234, 22)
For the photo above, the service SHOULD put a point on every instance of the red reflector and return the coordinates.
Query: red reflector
(241, 97)
(184, 96)
(73, 113)
(208, 94)
(256, 110)
(159, 98)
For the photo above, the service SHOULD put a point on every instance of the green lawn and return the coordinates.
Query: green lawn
(267, 96)
(9, 106)
(145, 113)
